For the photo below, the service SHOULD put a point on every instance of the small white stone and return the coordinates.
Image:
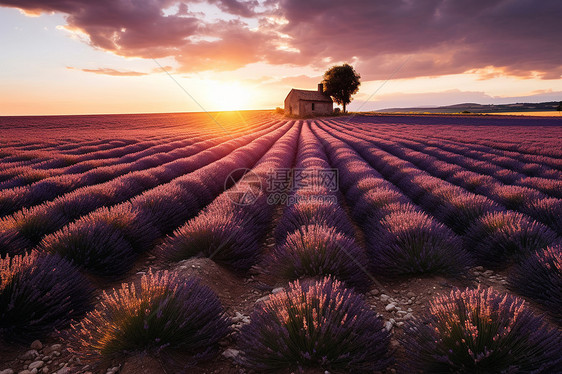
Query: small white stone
(231, 353)
(30, 355)
(7, 371)
(238, 317)
(36, 365)
(390, 307)
(277, 290)
(388, 325)
(384, 298)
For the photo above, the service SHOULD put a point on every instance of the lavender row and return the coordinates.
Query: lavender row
(26, 227)
(49, 159)
(314, 236)
(107, 241)
(532, 165)
(232, 228)
(67, 164)
(495, 167)
(494, 236)
(18, 198)
(401, 238)
(22, 175)
(44, 159)
(527, 138)
(160, 144)
(46, 186)
(523, 199)
(541, 178)
(49, 153)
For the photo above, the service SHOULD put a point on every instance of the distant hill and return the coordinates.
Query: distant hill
(480, 108)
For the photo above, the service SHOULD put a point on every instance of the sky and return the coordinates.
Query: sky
(138, 56)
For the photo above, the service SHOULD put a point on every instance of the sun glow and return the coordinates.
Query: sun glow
(229, 96)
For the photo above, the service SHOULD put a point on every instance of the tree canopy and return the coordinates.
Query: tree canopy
(340, 82)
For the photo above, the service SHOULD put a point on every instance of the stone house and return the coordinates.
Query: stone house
(308, 103)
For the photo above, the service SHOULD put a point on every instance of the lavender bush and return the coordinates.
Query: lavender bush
(38, 294)
(98, 246)
(313, 212)
(413, 243)
(539, 277)
(316, 250)
(166, 313)
(459, 211)
(481, 331)
(373, 200)
(320, 324)
(222, 236)
(499, 238)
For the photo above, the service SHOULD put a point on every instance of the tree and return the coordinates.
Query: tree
(559, 108)
(340, 82)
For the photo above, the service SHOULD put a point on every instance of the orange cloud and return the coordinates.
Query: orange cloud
(109, 71)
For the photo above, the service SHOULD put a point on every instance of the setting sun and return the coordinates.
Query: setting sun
(227, 96)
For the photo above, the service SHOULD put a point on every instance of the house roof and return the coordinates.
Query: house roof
(310, 95)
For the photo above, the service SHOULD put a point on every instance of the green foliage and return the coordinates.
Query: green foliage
(340, 82)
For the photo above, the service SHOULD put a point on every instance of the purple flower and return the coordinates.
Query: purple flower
(39, 293)
(315, 324)
(481, 331)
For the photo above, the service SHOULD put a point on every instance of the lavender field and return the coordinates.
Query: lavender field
(248, 242)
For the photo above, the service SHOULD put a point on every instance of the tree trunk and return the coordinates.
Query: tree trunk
(344, 108)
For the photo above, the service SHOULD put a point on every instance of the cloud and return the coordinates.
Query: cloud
(109, 71)
(435, 37)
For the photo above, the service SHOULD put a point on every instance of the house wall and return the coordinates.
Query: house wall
(292, 105)
(298, 107)
(320, 108)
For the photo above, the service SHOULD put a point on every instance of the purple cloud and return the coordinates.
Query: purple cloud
(436, 37)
